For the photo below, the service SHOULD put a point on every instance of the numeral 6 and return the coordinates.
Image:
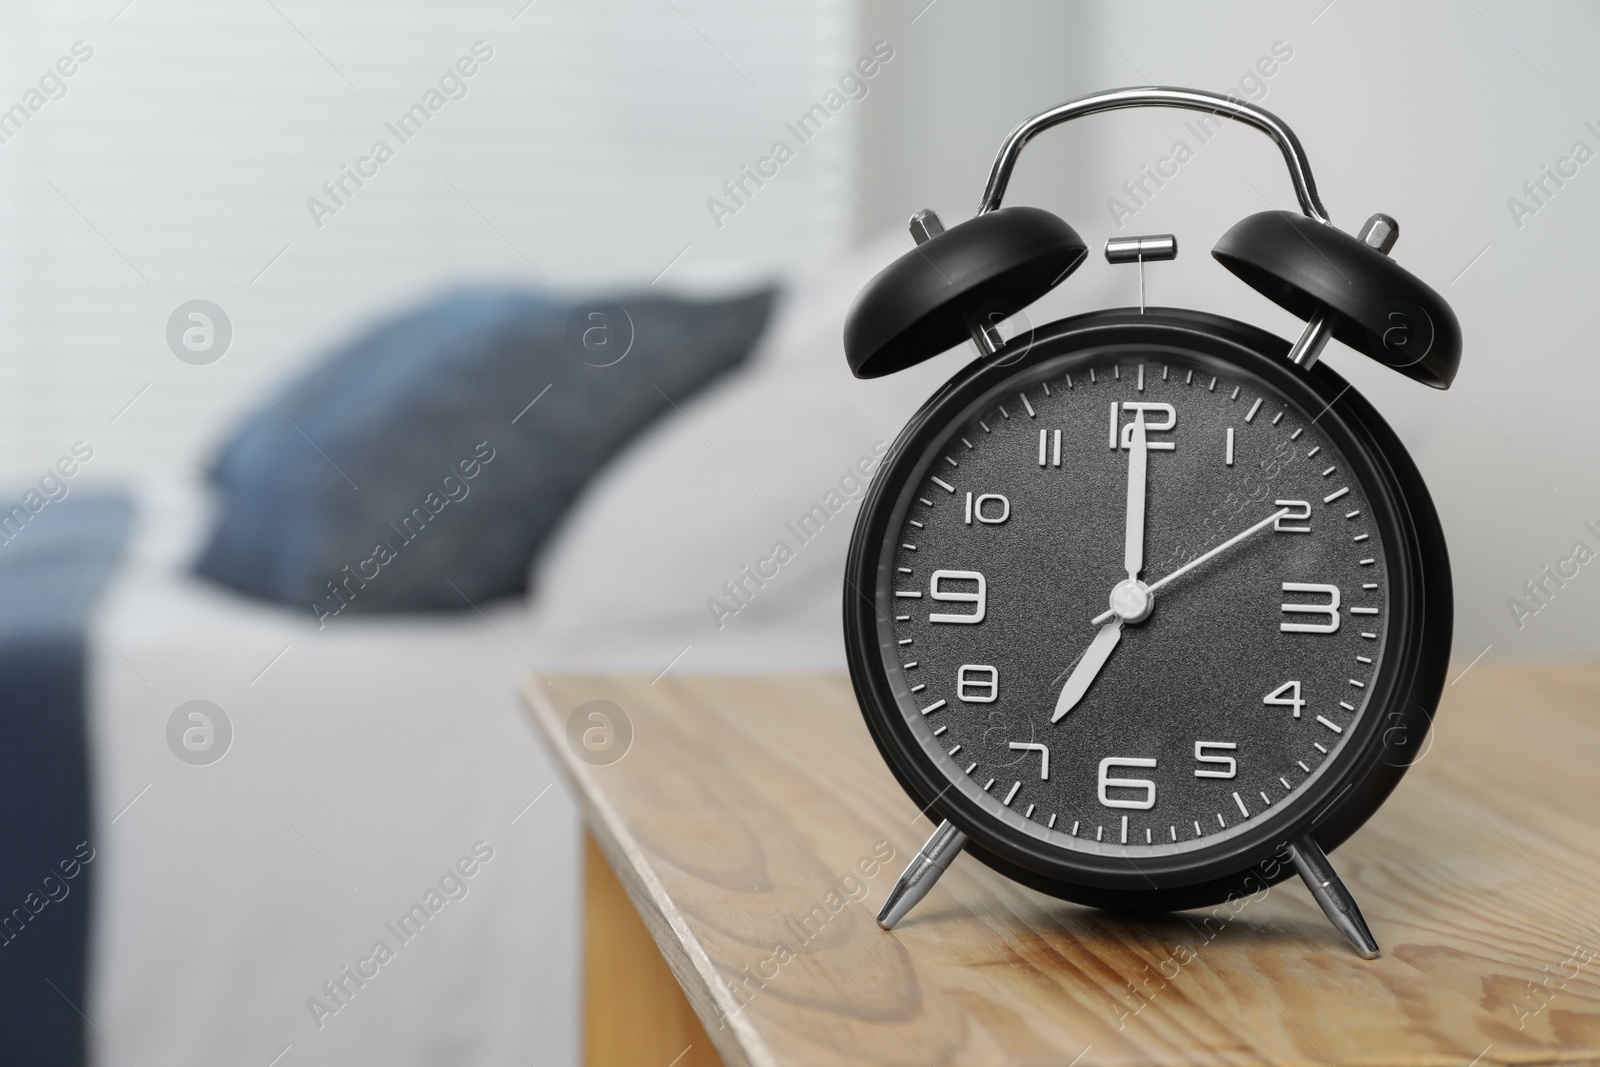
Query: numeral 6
(1149, 787)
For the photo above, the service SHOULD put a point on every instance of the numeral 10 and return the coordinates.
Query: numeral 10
(991, 509)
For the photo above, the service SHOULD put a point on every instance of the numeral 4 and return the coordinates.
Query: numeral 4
(1330, 609)
(1286, 695)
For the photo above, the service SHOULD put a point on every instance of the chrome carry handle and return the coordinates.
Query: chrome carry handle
(1305, 187)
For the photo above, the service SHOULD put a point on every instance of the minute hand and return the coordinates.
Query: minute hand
(1107, 615)
(1138, 466)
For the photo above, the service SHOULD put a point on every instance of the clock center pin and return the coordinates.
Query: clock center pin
(1132, 601)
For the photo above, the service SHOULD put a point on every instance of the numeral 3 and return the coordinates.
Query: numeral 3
(1330, 609)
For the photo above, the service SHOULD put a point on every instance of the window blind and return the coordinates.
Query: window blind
(186, 156)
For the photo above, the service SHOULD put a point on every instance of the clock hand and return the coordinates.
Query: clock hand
(1192, 564)
(1138, 462)
(1100, 649)
(1088, 668)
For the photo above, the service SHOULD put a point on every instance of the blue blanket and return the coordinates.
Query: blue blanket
(52, 565)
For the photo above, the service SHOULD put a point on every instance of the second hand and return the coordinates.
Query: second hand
(1106, 616)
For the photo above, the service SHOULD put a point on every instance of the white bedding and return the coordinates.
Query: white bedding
(366, 760)
(370, 756)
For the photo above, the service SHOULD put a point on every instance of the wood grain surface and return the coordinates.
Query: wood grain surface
(756, 830)
(635, 1014)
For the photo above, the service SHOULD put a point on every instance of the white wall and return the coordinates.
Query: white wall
(180, 160)
(1433, 112)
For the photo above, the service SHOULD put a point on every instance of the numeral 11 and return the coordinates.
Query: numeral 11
(1049, 448)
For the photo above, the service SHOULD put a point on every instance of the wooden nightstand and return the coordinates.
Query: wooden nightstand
(755, 831)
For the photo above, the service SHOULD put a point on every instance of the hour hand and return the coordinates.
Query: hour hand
(1083, 675)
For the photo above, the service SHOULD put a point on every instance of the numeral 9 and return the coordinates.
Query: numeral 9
(979, 599)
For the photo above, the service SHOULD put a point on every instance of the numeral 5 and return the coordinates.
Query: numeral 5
(1203, 754)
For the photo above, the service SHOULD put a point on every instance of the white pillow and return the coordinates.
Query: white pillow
(639, 569)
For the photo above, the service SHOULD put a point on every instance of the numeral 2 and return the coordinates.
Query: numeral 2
(1300, 512)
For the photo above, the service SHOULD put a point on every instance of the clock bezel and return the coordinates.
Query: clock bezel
(1361, 773)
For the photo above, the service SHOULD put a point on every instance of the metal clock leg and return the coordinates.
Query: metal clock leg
(920, 874)
(1337, 903)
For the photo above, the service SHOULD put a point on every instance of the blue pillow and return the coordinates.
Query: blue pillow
(422, 466)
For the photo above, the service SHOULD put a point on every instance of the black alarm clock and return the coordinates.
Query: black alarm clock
(1146, 607)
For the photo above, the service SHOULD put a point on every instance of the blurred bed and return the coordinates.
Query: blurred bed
(371, 753)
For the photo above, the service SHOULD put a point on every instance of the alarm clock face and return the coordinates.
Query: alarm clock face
(1154, 728)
